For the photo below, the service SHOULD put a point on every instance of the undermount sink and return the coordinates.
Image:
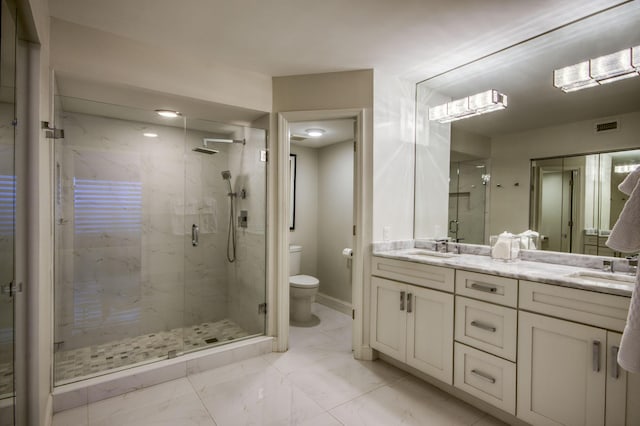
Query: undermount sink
(428, 253)
(605, 277)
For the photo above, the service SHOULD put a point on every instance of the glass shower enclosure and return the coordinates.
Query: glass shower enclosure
(160, 237)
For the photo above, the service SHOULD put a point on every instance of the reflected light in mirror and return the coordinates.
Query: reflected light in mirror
(469, 106)
(625, 168)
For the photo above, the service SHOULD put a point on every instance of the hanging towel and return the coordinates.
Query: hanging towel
(625, 237)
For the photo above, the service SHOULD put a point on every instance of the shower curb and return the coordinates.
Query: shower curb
(84, 392)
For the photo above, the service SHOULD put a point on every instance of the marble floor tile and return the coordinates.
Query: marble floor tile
(74, 417)
(404, 403)
(262, 397)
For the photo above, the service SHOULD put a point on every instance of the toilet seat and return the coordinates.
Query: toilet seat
(303, 281)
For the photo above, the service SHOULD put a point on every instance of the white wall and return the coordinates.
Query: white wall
(467, 145)
(335, 219)
(306, 222)
(393, 157)
(511, 155)
(81, 51)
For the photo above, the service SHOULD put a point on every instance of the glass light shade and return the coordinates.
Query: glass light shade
(625, 168)
(573, 77)
(438, 112)
(167, 113)
(635, 57)
(458, 107)
(315, 133)
(613, 65)
(150, 135)
(491, 100)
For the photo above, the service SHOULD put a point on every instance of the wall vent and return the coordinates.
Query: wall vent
(606, 127)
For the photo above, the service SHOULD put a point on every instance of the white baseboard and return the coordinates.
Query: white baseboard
(333, 303)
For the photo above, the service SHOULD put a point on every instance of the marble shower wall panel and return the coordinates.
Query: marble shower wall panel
(246, 284)
(122, 273)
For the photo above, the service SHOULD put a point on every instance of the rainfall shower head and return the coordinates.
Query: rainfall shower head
(205, 150)
(226, 175)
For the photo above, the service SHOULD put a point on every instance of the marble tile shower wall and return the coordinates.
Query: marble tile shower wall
(247, 286)
(133, 271)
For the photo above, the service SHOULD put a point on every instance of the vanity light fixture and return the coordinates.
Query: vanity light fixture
(315, 133)
(625, 168)
(477, 104)
(167, 113)
(150, 135)
(601, 70)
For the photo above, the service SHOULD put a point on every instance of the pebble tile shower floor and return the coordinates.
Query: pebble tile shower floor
(89, 361)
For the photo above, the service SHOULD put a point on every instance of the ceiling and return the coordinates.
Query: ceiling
(335, 131)
(525, 74)
(413, 39)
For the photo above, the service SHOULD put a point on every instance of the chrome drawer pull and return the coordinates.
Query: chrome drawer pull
(483, 376)
(596, 356)
(483, 326)
(484, 287)
(615, 368)
(409, 304)
(402, 300)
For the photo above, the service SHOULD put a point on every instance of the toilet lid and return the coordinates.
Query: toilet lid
(303, 281)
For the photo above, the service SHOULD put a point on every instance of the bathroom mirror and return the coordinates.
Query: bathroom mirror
(540, 121)
(292, 196)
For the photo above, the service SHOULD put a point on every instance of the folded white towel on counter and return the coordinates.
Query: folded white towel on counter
(625, 237)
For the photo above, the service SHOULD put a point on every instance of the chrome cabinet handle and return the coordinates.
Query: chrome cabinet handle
(484, 287)
(409, 304)
(483, 376)
(615, 368)
(482, 326)
(596, 356)
(402, 300)
(194, 235)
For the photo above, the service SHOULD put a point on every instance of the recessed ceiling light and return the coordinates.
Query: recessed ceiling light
(150, 135)
(315, 133)
(167, 113)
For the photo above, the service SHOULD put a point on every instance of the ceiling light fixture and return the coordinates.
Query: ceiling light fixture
(167, 113)
(601, 70)
(315, 133)
(150, 135)
(477, 104)
(625, 168)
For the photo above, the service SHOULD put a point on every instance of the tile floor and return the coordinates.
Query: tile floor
(80, 363)
(317, 382)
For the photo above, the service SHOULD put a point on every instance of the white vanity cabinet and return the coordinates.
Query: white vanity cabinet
(566, 367)
(414, 324)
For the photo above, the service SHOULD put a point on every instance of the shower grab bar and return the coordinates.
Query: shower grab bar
(194, 235)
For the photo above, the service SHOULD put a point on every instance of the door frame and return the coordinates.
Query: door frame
(279, 291)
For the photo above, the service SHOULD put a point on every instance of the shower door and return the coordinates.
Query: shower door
(7, 213)
(225, 238)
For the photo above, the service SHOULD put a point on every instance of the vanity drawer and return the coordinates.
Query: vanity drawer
(591, 240)
(490, 288)
(588, 307)
(429, 276)
(486, 377)
(488, 327)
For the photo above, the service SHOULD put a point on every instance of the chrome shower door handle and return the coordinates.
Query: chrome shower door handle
(194, 235)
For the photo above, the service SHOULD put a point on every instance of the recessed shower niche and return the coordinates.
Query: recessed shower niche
(151, 261)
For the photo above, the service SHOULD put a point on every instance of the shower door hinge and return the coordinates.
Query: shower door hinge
(264, 155)
(51, 131)
(262, 308)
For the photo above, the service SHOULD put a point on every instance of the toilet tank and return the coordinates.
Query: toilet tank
(295, 254)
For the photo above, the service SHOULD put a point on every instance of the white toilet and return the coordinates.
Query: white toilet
(302, 288)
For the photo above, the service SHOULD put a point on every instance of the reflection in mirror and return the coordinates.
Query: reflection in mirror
(540, 122)
(467, 195)
(575, 200)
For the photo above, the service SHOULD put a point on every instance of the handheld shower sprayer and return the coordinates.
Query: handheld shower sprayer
(231, 236)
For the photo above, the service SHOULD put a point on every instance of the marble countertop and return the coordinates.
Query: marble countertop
(548, 273)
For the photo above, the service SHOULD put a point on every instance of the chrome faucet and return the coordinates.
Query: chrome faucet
(607, 266)
(441, 245)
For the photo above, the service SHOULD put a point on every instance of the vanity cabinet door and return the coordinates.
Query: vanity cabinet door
(388, 317)
(561, 372)
(430, 332)
(623, 388)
